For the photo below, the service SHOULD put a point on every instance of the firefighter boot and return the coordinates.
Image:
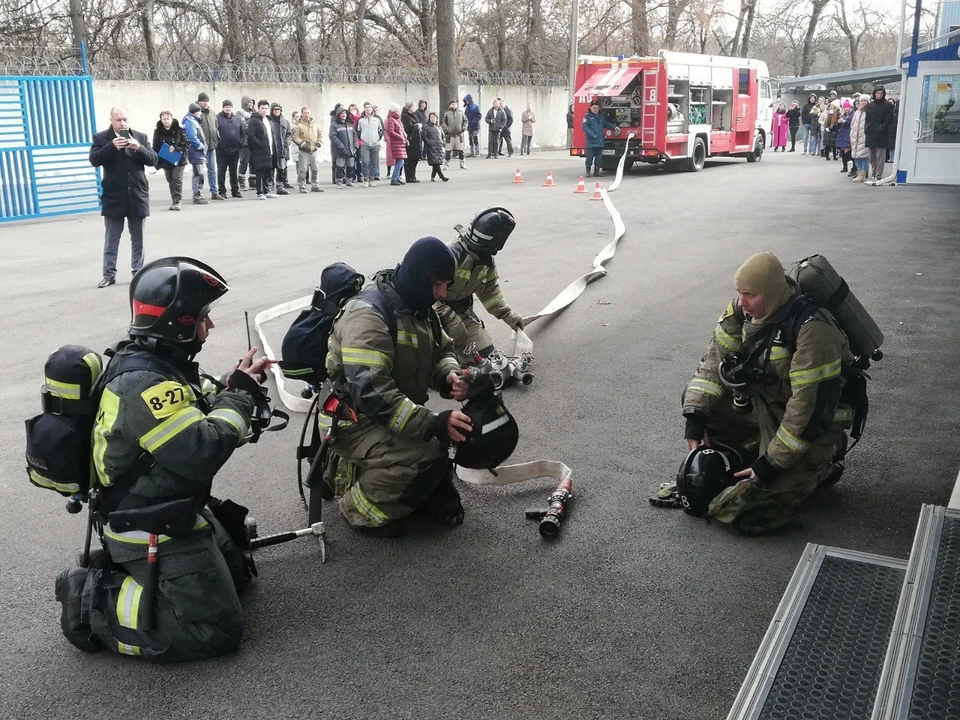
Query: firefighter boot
(69, 592)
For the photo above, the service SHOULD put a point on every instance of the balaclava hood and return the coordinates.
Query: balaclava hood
(763, 274)
(427, 261)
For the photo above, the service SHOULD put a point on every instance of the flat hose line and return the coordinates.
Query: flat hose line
(504, 474)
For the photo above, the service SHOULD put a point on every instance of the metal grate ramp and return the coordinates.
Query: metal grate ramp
(824, 650)
(921, 677)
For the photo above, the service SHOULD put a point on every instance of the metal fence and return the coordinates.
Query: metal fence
(104, 68)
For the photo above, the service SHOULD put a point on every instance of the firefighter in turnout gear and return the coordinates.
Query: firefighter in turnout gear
(165, 588)
(772, 376)
(477, 275)
(393, 460)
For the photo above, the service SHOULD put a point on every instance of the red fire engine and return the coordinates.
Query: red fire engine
(681, 108)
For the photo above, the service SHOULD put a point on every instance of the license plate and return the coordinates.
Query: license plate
(611, 151)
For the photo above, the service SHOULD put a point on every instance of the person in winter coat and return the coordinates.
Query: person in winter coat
(843, 138)
(208, 121)
(892, 132)
(472, 112)
(815, 137)
(496, 119)
(454, 125)
(282, 135)
(197, 154)
(122, 153)
(779, 127)
(396, 143)
(308, 137)
(858, 139)
(421, 112)
(805, 121)
(593, 125)
(527, 119)
(343, 140)
(168, 132)
(247, 110)
(414, 130)
(793, 116)
(880, 116)
(353, 115)
(263, 150)
(506, 135)
(370, 134)
(233, 136)
(828, 122)
(433, 147)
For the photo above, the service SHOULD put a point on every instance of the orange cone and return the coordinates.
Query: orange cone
(549, 182)
(580, 186)
(517, 178)
(596, 193)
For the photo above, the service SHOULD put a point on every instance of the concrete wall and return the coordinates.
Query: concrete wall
(144, 100)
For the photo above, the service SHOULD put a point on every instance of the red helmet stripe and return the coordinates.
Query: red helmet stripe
(140, 308)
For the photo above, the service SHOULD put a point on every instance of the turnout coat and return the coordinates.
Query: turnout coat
(124, 188)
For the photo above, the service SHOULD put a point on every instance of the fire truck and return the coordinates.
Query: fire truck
(681, 108)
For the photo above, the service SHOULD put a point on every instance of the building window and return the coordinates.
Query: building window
(744, 85)
(940, 109)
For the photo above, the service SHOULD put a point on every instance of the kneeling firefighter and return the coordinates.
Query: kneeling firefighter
(770, 383)
(476, 274)
(166, 586)
(386, 351)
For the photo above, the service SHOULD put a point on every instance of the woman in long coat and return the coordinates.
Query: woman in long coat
(396, 143)
(527, 119)
(433, 147)
(858, 139)
(414, 129)
(779, 128)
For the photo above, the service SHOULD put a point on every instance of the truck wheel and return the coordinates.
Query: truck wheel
(609, 164)
(699, 157)
(757, 150)
(627, 165)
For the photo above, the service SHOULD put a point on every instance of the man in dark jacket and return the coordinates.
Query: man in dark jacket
(246, 111)
(233, 137)
(208, 121)
(282, 134)
(472, 112)
(343, 144)
(125, 195)
(879, 118)
(505, 136)
(496, 120)
(263, 157)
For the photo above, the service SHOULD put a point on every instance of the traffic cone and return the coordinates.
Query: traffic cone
(580, 186)
(596, 193)
(517, 178)
(549, 182)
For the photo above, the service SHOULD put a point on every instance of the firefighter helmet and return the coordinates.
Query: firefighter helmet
(495, 433)
(705, 473)
(171, 296)
(488, 231)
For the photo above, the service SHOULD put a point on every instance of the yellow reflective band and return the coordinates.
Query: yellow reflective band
(366, 508)
(68, 391)
(125, 649)
(496, 298)
(824, 372)
(706, 386)
(778, 352)
(128, 602)
(297, 372)
(45, 482)
(231, 416)
(843, 415)
(106, 417)
(369, 358)
(138, 537)
(93, 362)
(170, 428)
(401, 416)
(726, 313)
(407, 338)
(791, 440)
(726, 339)
(463, 274)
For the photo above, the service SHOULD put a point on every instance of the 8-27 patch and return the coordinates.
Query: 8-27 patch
(167, 398)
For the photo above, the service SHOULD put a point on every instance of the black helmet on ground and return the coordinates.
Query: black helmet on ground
(488, 231)
(705, 473)
(170, 297)
(495, 432)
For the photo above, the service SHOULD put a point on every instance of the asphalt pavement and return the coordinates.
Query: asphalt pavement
(632, 612)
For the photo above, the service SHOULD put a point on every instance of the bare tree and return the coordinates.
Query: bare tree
(447, 72)
(816, 9)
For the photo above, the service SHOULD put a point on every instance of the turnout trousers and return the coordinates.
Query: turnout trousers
(196, 608)
(380, 476)
(756, 508)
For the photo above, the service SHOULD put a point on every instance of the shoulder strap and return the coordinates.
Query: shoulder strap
(377, 300)
(804, 308)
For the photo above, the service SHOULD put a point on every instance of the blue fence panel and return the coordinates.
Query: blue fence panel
(46, 124)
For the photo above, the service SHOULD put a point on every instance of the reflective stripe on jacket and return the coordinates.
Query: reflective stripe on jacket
(474, 277)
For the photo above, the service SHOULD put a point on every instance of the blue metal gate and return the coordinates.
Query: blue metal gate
(46, 125)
